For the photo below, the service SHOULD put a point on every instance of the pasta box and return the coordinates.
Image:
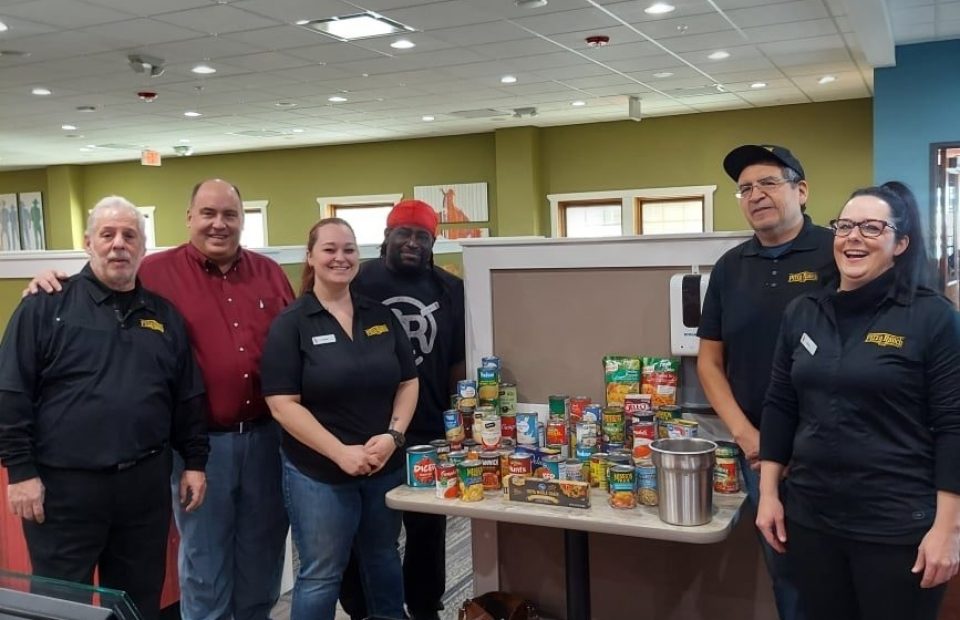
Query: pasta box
(566, 493)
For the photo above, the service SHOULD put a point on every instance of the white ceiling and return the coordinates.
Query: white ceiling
(79, 48)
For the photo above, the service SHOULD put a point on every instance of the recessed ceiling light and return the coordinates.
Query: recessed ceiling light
(286, 104)
(530, 4)
(203, 69)
(85, 149)
(68, 127)
(403, 44)
(427, 118)
(662, 74)
(508, 79)
(827, 79)
(659, 8)
(719, 55)
(184, 140)
(758, 85)
(297, 130)
(91, 146)
(3, 27)
(192, 114)
(578, 103)
(336, 99)
(357, 26)
(41, 91)
(302, 22)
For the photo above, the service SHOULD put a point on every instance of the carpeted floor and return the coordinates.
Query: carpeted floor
(459, 573)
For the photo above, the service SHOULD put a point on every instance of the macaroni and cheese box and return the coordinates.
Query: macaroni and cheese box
(567, 493)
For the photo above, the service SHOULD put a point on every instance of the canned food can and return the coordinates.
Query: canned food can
(468, 419)
(487, 393)
(508, 398)
(526, 428)
(486, 426)
(442, 446)
(470, 474)
(508, 425)
(520, 464)
(572, 470)
(598, 470)
(467, 393)
(551, 466)
(614, 448)
(586, 433)
(669, 412)
(491, 470)
(490, 361)
(453, 426)
(556, 432)
(578, 405)
(621, 486)
(448, 485)
(421, 466)
(506, 442)
(637, 404)
(726, 478)
(644, 432)
(613, 425)
(647, 494)
(558, 405)
(593, 413)
(457, 456)
(541, 434)
(504, 462)
(584, 453)
(472, 448)
(619, 458)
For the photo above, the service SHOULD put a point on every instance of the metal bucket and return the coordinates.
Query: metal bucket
(685, 479)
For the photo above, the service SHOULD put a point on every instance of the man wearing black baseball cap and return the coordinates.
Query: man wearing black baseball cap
(750, 286)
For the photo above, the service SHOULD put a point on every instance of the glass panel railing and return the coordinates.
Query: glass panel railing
(35, 598)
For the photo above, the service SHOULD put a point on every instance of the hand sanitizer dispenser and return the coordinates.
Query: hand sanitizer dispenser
(687, 291)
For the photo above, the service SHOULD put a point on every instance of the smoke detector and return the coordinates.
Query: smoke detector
(521, 112)
(147, 96)
(597, 40)
(151, 65)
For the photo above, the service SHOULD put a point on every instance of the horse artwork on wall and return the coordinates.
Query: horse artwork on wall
(457, 204)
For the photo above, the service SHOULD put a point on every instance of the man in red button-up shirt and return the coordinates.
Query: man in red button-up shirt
(232, 548)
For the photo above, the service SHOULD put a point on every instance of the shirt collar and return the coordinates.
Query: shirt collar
(100, 292)
(201, 259)
(313, 305)
(803, 242)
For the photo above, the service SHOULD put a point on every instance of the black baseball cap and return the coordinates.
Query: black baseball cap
(749, 154)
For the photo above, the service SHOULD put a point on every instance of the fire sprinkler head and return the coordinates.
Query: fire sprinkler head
(147, 95)
(597, 40)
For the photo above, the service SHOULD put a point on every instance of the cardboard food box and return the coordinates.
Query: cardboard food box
(567, 493)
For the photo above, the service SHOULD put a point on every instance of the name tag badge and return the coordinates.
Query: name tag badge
(808, 343)
(325, 339)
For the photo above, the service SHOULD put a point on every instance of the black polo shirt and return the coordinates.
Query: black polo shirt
(348, 385)
(869, 423)
(91, 378)
(745, 300)
(429, 305)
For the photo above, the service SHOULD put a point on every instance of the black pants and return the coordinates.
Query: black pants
(843, 579)
(117, 521)
(424, 569)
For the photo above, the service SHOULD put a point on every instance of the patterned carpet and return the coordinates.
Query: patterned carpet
(459, 573)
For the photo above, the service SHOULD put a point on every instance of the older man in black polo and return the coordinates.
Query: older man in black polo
(97, 383)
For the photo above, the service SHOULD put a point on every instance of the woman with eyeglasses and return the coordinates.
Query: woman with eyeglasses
(864, 408)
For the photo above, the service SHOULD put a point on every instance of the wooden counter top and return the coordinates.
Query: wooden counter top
(641, 522)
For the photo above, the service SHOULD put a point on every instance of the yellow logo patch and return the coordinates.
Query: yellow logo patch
(802, 276)
(156, 326)
(376, 330)
(883, 339)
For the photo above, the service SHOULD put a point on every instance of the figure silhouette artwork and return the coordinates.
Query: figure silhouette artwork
(9, 223)
(31, 221)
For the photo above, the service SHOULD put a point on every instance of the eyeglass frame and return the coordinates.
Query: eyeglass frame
(771, 184)
(859, 225)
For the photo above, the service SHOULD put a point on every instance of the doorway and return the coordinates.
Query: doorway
(945, 190)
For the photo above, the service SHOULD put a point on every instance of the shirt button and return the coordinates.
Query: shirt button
(246, 375)
(774, 272)
(241, 349)
(248, 402)
(235, 324)
(773, 284)
(230, 300)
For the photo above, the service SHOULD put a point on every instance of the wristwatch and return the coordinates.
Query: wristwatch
(398, 437)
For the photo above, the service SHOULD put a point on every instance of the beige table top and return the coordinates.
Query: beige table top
(640, 522)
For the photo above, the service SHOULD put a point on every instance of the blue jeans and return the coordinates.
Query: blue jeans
(778, 564)
(232, 547)
(326, 521)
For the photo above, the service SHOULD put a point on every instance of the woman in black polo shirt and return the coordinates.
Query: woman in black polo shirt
(864, 406)
(340, 378)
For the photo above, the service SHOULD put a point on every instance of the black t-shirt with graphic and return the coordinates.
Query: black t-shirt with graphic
(429, 305)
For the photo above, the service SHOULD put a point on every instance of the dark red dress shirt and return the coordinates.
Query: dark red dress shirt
(228, 316)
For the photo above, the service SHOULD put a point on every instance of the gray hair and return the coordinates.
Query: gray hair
(118, 203)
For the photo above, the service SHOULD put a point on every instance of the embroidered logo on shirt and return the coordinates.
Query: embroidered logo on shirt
(802, 276)
(155, 325)
(883, 339)
(376, 330)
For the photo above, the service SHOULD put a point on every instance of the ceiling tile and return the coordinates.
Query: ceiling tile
(219, 18)
(65, 13)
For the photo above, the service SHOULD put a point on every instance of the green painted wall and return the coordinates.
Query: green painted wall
(292, 179)
(832, 140)
(9, 298)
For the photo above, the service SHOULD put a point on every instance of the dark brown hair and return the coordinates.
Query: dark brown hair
(306, 278)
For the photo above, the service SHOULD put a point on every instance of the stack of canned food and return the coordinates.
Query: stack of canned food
(487, 440)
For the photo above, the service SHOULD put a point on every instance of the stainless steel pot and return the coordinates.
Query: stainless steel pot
(685, 479)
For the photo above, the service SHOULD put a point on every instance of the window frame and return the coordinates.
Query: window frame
(631, 201)
(150, 225)
(261, 206)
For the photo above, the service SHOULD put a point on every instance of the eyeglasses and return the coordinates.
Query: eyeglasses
(868, 228)
(764, 185)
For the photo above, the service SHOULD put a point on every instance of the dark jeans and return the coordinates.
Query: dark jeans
(424, 569)
(843, 579)
(117, 521)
